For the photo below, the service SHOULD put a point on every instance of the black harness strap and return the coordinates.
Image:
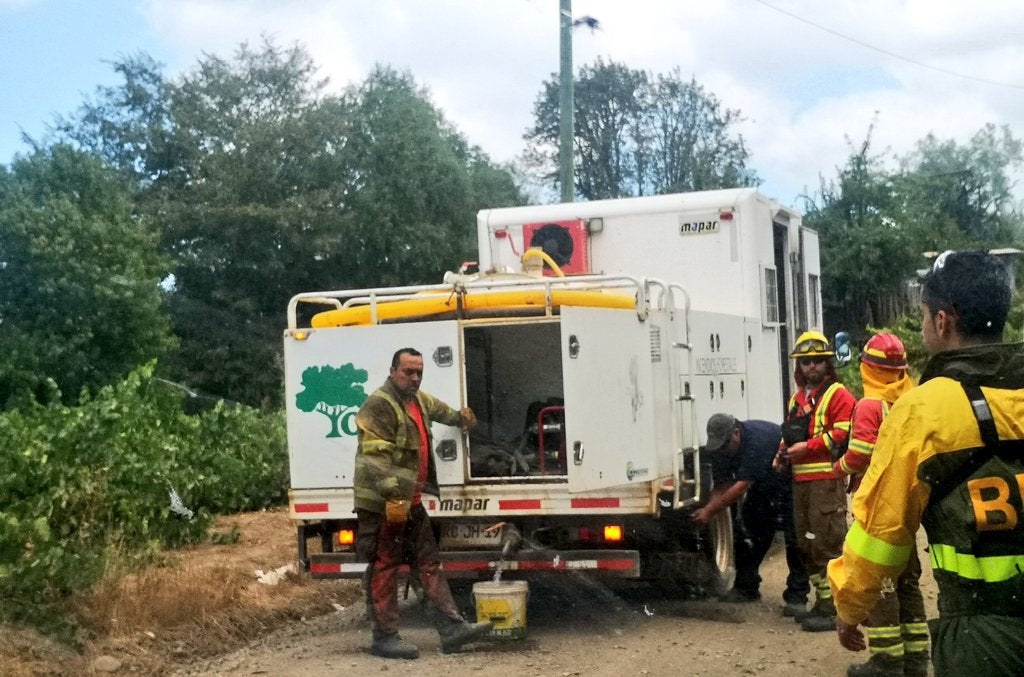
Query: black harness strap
(977, 457)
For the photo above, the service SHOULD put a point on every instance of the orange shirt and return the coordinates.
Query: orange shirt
(421, 478)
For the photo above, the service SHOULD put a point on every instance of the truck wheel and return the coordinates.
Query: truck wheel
(716, 547)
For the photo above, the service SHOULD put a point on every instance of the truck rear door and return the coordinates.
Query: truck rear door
(609, 412)
(329, 373)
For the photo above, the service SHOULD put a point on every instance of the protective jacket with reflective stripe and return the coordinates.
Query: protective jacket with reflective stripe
(976, 531)
(387, 462)
(867, 419)
(829, 408)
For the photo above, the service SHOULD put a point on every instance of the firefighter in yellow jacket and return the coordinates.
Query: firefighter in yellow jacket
(896, 629)
(950, 456)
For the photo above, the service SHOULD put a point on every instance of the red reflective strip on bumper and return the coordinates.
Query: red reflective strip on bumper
(594, 503)
(615, 564)
(346, 567)
(479, 565)
(543, 565)
(522, 504)
(311, 507)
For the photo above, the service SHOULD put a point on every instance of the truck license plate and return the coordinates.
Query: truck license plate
(461, 534)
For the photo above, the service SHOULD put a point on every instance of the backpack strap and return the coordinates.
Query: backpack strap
(976, 457)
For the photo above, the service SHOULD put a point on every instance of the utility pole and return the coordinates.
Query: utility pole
(565, 104)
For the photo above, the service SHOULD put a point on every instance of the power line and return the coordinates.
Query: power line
(886, 52)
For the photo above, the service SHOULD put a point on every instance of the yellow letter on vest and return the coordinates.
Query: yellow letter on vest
(986, 511)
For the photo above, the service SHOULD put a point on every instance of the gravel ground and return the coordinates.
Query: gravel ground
(575, 626)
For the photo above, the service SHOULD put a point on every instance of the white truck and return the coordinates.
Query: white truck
(592, 379)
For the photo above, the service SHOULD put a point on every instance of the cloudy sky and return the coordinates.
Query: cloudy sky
(807, 75)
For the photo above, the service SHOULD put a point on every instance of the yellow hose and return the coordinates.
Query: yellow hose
(534, 252)
(513, 301)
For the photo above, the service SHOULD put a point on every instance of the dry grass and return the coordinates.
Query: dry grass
(203, 603)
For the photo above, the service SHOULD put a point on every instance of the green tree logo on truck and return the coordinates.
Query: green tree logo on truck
(335, 392)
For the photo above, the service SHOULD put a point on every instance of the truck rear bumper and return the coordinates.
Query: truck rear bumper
(483, 564)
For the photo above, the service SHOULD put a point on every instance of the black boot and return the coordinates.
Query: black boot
(879, 665)
(457, 633)
(740, 596)
(821, 617)
(390, 645)
(794, 609)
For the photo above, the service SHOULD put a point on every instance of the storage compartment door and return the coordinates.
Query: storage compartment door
(609, 412)
(331, 373)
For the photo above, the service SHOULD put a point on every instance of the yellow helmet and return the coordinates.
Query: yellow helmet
(812, 343)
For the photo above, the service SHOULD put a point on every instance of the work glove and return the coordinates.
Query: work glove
(396, 511)
(468, 418)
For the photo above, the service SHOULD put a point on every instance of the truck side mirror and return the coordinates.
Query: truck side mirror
(844, 351)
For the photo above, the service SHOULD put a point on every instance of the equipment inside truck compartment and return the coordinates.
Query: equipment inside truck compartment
(514, 384)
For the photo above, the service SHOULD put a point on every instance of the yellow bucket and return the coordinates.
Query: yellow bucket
(504, 604)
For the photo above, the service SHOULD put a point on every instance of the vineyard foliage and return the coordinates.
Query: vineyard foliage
(81, 484)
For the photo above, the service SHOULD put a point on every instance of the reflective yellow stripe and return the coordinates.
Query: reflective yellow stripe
(915, 646)
(874, 549)
(884, 632)
(807, 468)
(915, 628)
(894, 650)
(988, 569)
(820, 414)
(861, 447)
(373, 445)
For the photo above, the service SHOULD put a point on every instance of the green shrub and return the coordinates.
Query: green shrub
(79, 483)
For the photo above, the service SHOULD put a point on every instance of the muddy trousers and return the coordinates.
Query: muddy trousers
(385, 547)
(897, 625)
(819, 515)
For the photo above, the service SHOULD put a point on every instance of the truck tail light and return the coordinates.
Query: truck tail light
(612, 533)
(346, 537)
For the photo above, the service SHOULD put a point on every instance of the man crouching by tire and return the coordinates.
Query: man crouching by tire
(394, 467)
(741, 454)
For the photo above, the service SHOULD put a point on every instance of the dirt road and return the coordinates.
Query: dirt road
(575, 627)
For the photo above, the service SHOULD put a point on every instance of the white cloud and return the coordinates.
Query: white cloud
(802, 88)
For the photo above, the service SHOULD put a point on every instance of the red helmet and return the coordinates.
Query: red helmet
(885, 351)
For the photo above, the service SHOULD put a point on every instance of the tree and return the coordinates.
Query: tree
(876, 223)
(866, 256)
(415, 186)
(264, 185)
(79, 278)
(332, 391)
(637, 133)
(962, 194)
(129, 125)
(690, 143)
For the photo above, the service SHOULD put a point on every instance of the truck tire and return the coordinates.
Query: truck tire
(719, 557)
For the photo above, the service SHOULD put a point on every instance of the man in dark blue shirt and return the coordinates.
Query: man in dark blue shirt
(741, 454)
